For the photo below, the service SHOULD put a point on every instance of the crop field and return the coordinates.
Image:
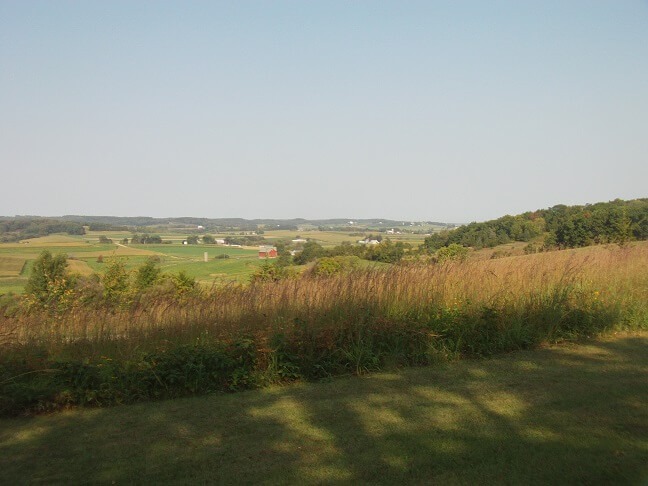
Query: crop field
(80, 267)
(113, 251)
(11, 266)
(84, 258)
(84, 252)
(324, 238)
(331, 238)
(46, 242)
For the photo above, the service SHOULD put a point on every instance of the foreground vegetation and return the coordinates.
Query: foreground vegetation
(169, 342)
(559, 415)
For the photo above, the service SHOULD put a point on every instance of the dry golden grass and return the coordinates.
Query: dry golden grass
(89, 347)
(515, 248)
(605, 274)
(11, 266)
(79, 266)
(46, 241)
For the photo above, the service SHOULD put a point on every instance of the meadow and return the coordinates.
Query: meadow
(234, 337)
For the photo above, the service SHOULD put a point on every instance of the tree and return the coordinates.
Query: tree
(105, 240)
(283, 255)
(50, 284)
(184, 284)
(147, 274)
(192, 240)
(311, 252)
(208, 240)
(115, 280)
(623, 229)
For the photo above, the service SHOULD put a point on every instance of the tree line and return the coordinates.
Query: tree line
(13, 229)
(560, 226)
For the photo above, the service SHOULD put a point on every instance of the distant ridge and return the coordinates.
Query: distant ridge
(238, 222)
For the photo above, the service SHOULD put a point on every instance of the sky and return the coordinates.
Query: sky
(451, 111)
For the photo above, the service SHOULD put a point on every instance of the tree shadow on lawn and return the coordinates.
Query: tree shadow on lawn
(568, 415)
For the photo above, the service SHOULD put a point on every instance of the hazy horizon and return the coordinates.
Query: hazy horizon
(413, 111)
(350, 218)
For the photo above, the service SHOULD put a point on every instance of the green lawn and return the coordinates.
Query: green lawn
(574, 414)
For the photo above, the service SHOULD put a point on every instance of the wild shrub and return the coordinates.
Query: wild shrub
(269, 272)
(147, 274)
(451, 252)
(116, 282)
(50, 285)
(329, 266)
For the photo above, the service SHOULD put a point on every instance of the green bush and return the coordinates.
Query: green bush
(451, 252)
(329, 266)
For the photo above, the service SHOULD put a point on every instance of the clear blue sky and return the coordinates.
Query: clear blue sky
(451, 111)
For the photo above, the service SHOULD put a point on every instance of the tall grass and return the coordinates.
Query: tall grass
(237, 336)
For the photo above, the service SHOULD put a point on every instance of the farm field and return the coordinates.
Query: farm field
(46, 242)
(569, 414)
(16, 259)
(11, 266)
(332, 238)
(324, 238)
(84, 250)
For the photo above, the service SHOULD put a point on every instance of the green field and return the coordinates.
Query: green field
(571, 414)
(331, 238)
(325, 238)
(174, 257)
(16, 259)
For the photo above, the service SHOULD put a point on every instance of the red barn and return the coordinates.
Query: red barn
(267, 252)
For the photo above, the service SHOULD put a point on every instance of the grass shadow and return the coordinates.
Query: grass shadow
(569, 415)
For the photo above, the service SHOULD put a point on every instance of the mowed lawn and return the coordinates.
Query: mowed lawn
(570, 414)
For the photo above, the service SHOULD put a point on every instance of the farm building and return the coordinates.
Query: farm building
(267, 252)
